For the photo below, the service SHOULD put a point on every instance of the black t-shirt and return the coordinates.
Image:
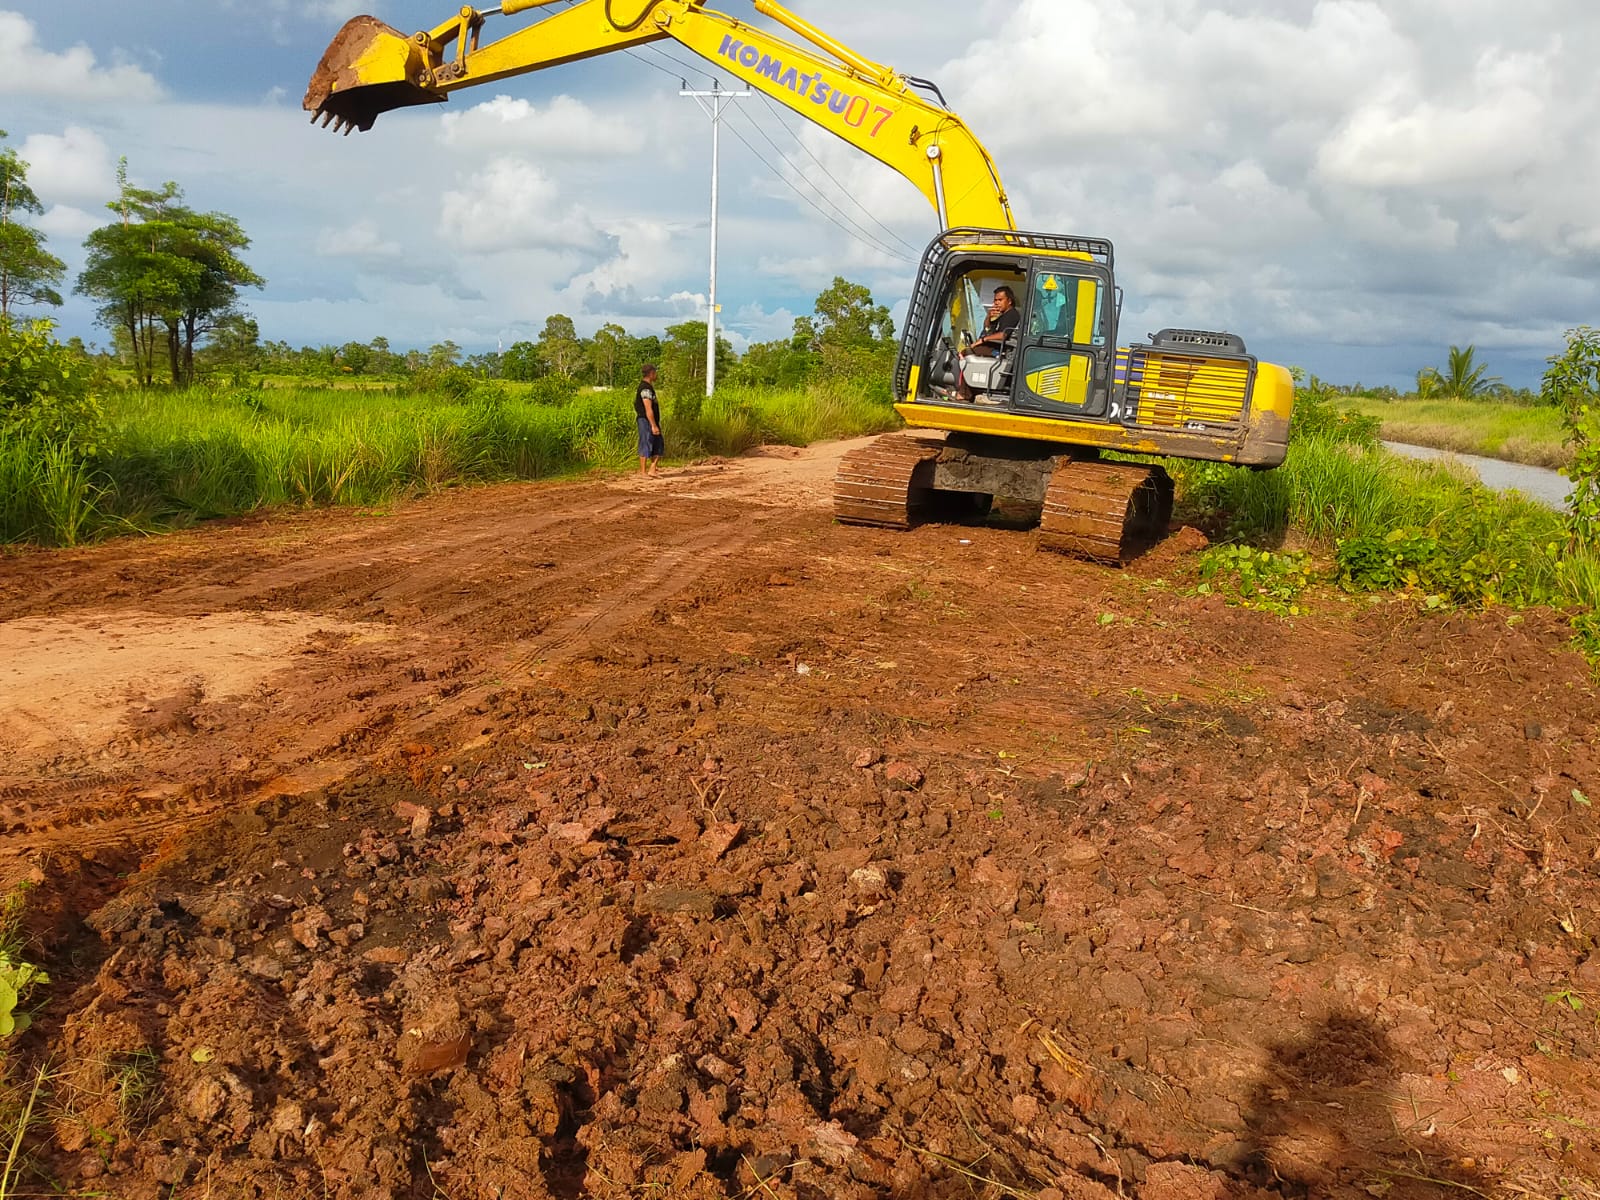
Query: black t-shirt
(1006, 322)
(647, 391)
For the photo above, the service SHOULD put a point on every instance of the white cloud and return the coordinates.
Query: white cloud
(28, 69)
(1402, 139)
(513, 205)
(74, 165)
(564, 127)
(66, 223)
(360, 240)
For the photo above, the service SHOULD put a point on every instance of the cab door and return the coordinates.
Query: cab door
(1064, 367)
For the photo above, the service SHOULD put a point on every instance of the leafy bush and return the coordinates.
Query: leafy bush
(552, 389)
(1262, 579)
(16, 980)
(1573, 385)
(1317, 415)
(452, 384)
(45, 389)
(1451, 566)
(17, 977)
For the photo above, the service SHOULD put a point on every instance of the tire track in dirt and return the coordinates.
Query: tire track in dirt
(499, 583)
(668, 574)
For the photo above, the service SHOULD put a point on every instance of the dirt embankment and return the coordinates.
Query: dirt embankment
(616, 840)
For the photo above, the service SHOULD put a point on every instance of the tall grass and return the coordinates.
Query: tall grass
(171, 457)
(1522, 433)
(1432, 524)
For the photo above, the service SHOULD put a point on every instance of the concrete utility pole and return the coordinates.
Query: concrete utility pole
(713, 109)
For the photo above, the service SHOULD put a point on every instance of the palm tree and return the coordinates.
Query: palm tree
(1462, 379)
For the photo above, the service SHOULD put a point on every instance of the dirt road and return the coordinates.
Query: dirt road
(620, 838)
(144, 685)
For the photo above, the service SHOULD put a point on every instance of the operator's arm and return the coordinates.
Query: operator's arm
(997, 328)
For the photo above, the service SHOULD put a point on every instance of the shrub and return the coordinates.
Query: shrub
(45, 389)
(552, 389)
(1265, 579)
(452, 384)
(1316, 414)
(1573, 384)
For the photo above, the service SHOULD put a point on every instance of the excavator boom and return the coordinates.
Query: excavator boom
(371, 68)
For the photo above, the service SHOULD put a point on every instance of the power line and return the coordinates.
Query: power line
(858, 234)
(850, 228)
(778, 110)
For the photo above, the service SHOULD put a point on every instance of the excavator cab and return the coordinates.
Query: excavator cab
(1058, 359)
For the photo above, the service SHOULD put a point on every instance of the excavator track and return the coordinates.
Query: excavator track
(887, 483)
(1107, 512)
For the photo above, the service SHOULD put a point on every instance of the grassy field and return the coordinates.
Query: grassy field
(168, 458)
(1514, 432)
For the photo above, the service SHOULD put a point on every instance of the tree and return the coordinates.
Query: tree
(847, 318)
(774, 364)
(355, 357)
(684, 357)
(164, 268)
(444, 354)
(1462, 378)
(132, 272)
(380, 360)
(209, 243)
(29, 274)
(559, 348)
(520, 362)
(607, 351)
(235, 343)
(1572, 384)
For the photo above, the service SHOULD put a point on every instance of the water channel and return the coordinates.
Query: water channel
(1538, 483)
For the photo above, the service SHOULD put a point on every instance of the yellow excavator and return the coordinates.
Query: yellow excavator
(1026, 422)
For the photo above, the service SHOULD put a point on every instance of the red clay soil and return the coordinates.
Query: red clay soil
(613, 839)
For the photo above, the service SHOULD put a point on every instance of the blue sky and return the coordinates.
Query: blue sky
(1352, 187)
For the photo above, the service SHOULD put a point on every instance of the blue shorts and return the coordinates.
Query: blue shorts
(651, 445)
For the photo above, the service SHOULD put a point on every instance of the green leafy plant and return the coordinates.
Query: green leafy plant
(17, 978)
(1270, 580)
(1572, 384)
(1317, 414)
(45, 389)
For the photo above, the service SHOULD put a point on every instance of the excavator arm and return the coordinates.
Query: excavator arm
(371, 68)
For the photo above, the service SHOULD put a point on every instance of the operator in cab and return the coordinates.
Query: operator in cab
(1001, 323)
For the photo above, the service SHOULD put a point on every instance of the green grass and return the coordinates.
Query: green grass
(1515, 432)
(169, 458)
(1388, 522)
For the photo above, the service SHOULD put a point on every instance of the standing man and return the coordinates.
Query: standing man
(647, 410)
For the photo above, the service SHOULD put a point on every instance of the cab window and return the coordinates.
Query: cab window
(1068, 306)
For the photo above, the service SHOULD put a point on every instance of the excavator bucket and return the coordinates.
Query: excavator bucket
(369, 68)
